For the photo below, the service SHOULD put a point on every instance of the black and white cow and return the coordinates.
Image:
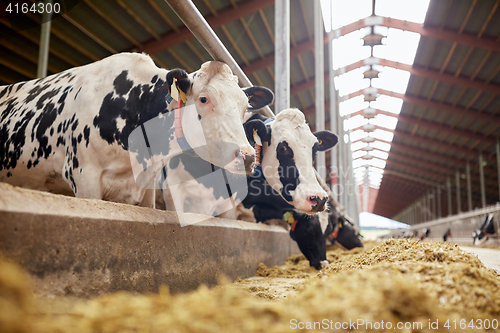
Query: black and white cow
(485, 230)
(309, 231)
(287, 155)
(446, 234)
(69, 133)
(291, 145)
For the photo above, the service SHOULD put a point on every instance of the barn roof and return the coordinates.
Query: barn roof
(450, 111)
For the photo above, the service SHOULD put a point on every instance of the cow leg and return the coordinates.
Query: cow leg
(149, 198)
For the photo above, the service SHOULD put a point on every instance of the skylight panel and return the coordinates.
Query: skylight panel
(399, 45)
(381, 145)
(358, 154)
(357, 135)
(377, 163)
(392, 79)
(351, 81)
(388, 103)
(383, 135)
(380, 154)
(352, 105)
(354, 122)
(385, 121)
(358, 145)
(349, 48)
(413, 11)
(341, 12)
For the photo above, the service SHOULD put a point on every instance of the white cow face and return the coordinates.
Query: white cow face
(287, 163)
(214, 113)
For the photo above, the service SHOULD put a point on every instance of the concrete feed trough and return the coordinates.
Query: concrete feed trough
(89, 247)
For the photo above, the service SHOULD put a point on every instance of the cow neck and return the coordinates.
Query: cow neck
(179, 132)
(259, 154)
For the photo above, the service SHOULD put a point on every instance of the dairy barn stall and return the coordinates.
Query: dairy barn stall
(134, 196)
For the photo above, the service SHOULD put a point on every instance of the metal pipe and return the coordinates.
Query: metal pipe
(448, 190)
(319, 76)
(498, 167)
(333, 109)
(457, 183)
(481, 180)
(434, 208)
(439, 202)
(469, 187)
(43, 53)
(196, 23)
(282, 54)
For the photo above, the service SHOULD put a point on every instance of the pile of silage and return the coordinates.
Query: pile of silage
(400, 281)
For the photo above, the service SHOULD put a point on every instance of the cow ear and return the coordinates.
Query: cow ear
(256, 130)
(327, 140)
(258, 97)
(182, 80)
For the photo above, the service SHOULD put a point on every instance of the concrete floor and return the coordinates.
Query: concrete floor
(489, 257)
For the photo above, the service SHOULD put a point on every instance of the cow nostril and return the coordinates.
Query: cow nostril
(318, 203)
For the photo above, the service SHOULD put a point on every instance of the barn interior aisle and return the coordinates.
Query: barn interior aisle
(249, 166)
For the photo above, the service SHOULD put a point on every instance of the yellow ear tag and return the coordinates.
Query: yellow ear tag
(320, 142)
(340, 224)
(256, 138)
(183, 96)
(173, 90)
(288, 216)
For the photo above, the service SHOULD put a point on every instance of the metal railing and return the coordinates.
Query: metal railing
(461, 225)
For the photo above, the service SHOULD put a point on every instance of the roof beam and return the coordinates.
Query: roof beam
(223, 17)
(430, 74)
(473, 114)
(428, 31)
(450, 130)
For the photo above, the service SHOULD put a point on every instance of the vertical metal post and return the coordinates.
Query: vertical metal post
(319, 72)
(469, 187)
(282, 54)
(439, 202)
(43, 53)
(333, 109)
(481, 180)
(448, 190)
(457, 182)
(498, 167)
(434, 208)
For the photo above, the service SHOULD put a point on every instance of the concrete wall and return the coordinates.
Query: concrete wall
(89, 247)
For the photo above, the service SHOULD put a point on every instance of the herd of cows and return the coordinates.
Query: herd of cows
(479, 236)
(123, 130)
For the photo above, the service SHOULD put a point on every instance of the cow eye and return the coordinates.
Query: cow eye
(204, 100)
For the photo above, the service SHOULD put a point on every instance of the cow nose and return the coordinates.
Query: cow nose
(317, 203)
(248, 160)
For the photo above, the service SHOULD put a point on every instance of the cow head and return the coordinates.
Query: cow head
(289, 148)
(213, 114)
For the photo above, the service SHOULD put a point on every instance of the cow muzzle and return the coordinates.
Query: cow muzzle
(242, 163)
(317, 203)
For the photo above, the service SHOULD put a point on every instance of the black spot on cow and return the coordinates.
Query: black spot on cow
(9, 174)
(75, 125)
(122, 84)
(37, 90)
(86, 135)
(18, 86)
(12, 141)
(47, 96)
(143, 103)
(199, 117)
(75, 162)
(3, 92)
(80, 136)
(287, 170)
(29, 163)
(76, 95)
(59, 128)
(153, 80)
